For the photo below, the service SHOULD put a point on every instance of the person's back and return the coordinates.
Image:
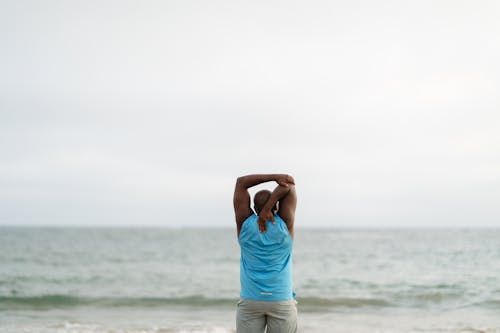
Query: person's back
(266, 261)
(266, 243)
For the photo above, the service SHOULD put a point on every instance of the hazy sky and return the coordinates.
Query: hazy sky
(387, 113)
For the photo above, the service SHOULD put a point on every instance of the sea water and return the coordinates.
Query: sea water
(72, 280)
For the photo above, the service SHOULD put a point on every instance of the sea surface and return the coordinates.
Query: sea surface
(72, 280)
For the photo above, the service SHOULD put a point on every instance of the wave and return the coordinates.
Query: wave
(349, 302)
(304, 303)
(49, 301)
(63, 301)
(492, 304)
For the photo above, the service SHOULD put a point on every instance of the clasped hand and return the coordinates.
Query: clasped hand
(285, 180)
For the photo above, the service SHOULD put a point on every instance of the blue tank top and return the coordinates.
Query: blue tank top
(266, 261)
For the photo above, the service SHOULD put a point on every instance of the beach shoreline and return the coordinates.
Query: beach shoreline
(220, 320)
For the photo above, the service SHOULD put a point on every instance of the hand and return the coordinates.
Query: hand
(264, 216)
(285, 180)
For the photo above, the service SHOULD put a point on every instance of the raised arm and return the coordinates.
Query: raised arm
(287, 208)
(266, 212)
(252, 180)
(241, 198)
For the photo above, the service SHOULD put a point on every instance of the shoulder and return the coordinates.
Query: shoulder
(252, 216)
(278, 218)
(287, 226)
(246, 222)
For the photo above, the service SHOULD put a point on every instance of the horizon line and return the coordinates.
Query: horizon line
(153, 226)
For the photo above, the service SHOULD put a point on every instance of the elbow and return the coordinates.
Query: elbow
(284, 188)
(240, 181)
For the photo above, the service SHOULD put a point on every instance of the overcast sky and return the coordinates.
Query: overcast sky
(387, 113)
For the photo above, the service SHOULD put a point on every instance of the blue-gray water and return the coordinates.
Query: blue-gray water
(187, 280)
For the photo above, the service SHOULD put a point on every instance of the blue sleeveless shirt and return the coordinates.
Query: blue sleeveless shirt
(266, 261)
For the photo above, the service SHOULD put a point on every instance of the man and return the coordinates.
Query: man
(266, 241)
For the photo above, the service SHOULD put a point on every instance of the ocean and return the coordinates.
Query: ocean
(96, 280)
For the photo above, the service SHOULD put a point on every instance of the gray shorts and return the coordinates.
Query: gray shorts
(254, 316)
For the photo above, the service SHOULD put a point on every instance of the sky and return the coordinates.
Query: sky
(144, 113)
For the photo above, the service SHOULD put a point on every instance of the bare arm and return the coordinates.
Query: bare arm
(287, 208)
(241, 198)
(252, 180)
(266, 212)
